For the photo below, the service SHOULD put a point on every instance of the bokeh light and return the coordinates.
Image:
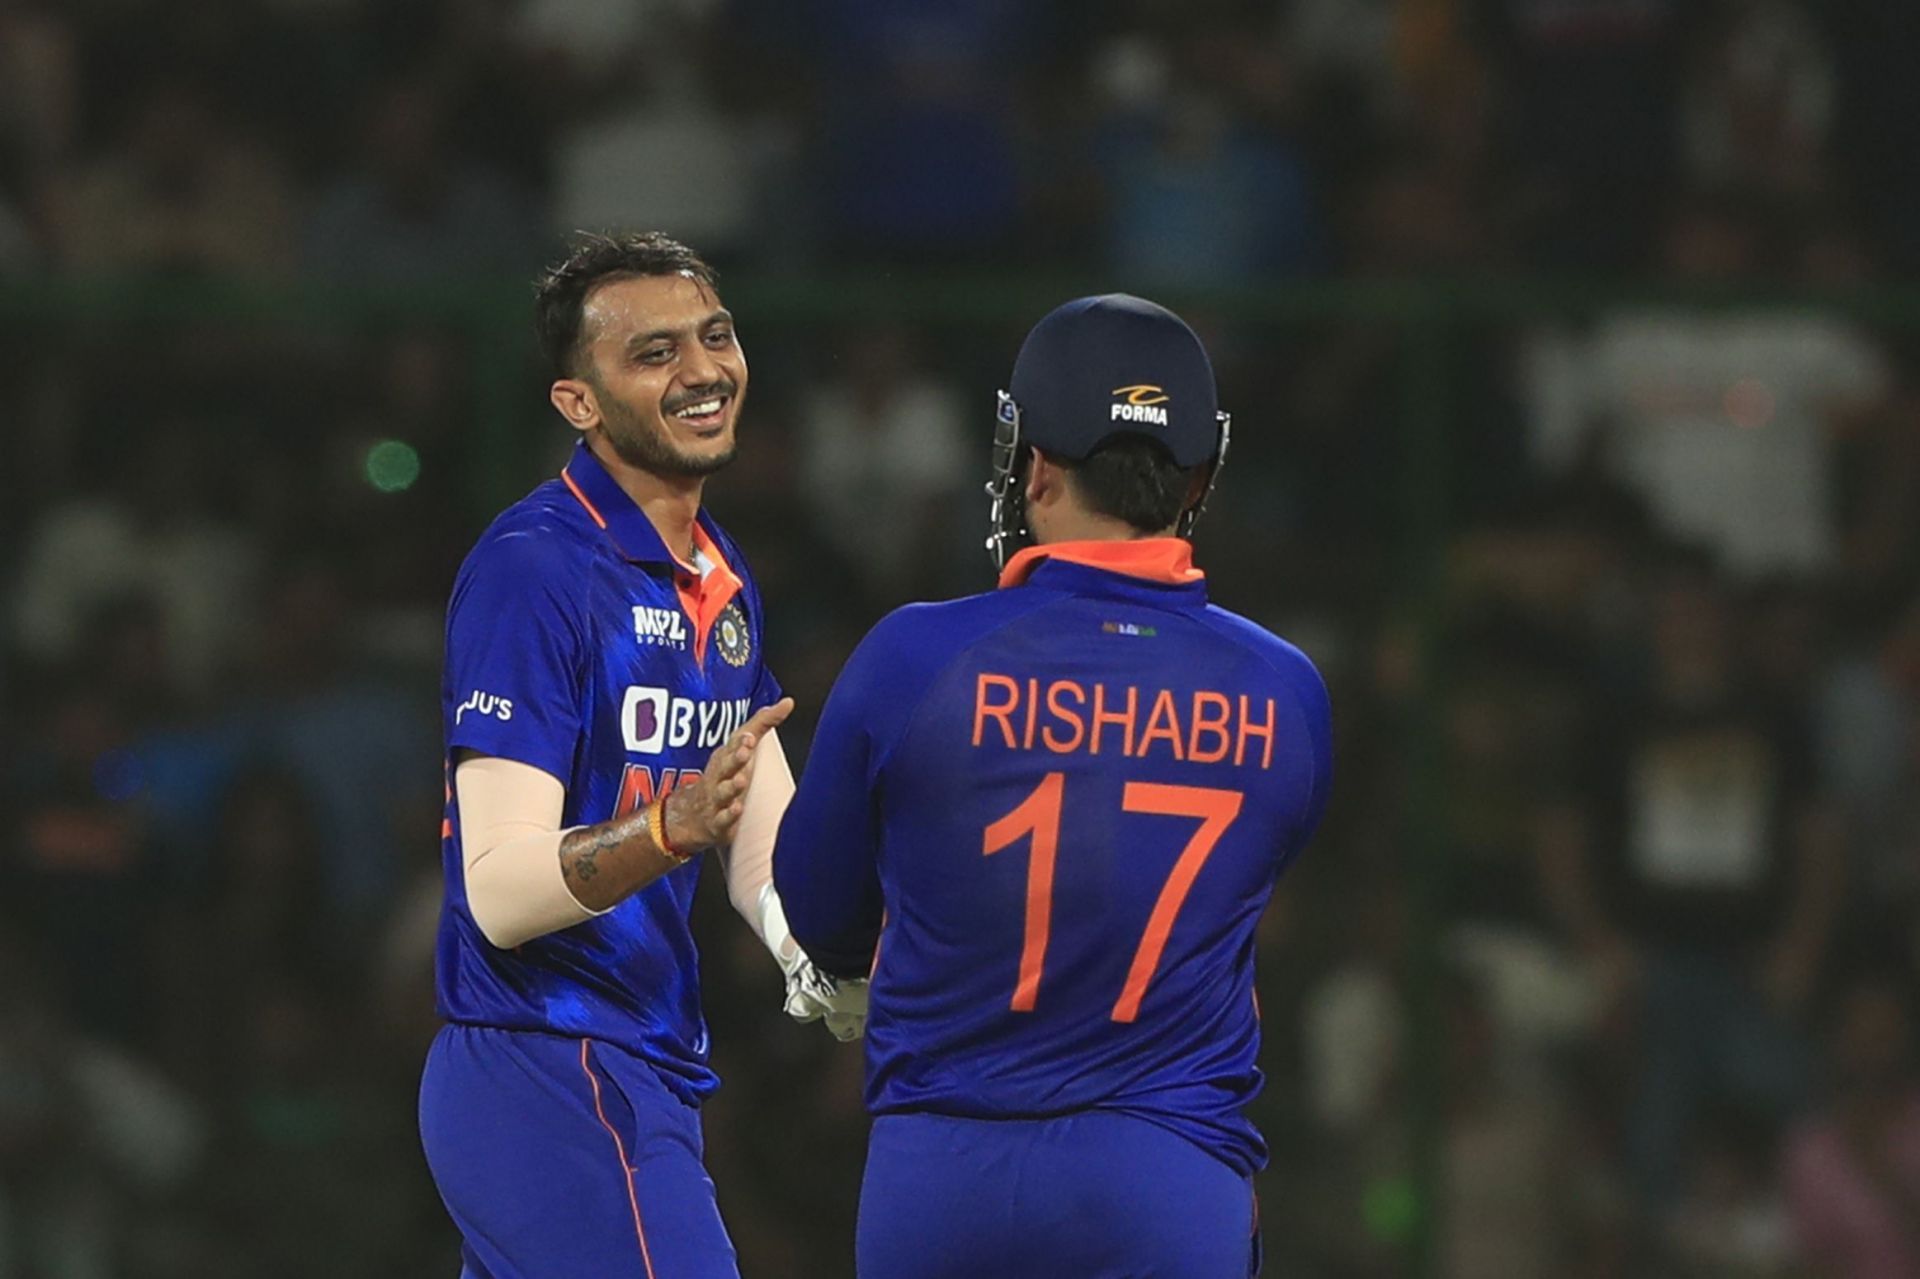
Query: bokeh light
(393, 466)
(1391, 1209)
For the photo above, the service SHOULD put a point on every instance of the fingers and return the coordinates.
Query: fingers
(769, 717)
(729, 774)
(763, 719)
(720, 794)
(725, 819)
(732, 762)
(736, 752)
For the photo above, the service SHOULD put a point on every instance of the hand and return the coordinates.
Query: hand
(703, 814)
(813, 995)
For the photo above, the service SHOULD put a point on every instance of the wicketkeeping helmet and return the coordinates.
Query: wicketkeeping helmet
(1094, 369)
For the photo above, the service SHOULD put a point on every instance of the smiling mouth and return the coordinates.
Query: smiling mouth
(705, 416)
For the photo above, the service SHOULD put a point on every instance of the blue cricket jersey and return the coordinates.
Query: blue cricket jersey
(578, 644)
(1059, 809)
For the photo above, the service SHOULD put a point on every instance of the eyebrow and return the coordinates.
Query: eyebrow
(638, 340)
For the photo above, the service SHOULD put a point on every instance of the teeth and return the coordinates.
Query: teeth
(699, 410)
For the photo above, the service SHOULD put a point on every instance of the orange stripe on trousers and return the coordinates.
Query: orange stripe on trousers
(620, 1148)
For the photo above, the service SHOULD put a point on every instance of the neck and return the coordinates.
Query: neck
(1084, 526)
(671, 502)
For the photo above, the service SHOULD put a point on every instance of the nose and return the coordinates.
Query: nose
(698, 367)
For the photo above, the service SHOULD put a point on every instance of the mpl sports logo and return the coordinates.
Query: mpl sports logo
(654, 720)
(1142, 404)
(660, 627)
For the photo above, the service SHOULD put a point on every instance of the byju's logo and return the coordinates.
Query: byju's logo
(1141, 403)
(485, 704)
(663, 627)
(643, 719)
(653, 720)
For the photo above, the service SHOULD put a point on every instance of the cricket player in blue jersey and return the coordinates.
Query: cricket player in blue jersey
(610, 718)
(1047, 819)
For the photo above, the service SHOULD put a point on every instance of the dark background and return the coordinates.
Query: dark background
(1573, 370)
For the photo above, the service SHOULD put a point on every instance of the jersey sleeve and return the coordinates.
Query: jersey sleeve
(826, 860)
(1317, 709)
(515, 660)
(766, 689)
(1303, 684)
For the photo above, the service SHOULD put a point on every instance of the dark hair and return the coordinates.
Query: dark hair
(592, 260)
(1131, 478)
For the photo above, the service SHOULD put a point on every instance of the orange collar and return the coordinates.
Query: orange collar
(1167, 560)
(705, 597)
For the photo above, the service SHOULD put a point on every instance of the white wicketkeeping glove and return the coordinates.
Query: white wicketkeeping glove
(812, 995)
(840, 1002)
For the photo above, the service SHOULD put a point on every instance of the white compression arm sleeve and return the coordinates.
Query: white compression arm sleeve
(750, 860)
(510, 846)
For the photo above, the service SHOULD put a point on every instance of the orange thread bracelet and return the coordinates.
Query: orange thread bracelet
(657, 828)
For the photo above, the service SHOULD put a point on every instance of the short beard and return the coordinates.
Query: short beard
(641, 446)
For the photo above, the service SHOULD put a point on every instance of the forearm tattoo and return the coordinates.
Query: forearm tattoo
(593, 867)
(580, 851)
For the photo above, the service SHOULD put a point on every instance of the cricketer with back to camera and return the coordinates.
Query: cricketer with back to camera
(1047, 820)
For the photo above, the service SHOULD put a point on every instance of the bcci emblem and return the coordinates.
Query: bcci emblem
(736, 642)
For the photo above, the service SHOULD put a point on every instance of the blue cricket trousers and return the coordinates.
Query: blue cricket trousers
(1094, 1195)
(564, 1158)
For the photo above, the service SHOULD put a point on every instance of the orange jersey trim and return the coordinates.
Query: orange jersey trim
(706, 597)
(1155, 559)
(581, 498)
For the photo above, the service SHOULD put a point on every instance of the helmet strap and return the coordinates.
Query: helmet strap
(1191, 516)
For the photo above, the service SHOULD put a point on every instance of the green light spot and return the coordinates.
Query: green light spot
(1391, 1209)
(392, 466)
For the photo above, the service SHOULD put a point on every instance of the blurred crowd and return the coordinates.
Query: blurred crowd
(1612, 933)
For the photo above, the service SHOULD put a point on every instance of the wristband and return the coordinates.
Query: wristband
(657, 828)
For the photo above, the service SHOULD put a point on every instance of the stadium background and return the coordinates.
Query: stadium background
(1572, 364)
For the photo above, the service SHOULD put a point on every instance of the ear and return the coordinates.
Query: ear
(1197, 486)
(576, 402)
(1046, 482)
